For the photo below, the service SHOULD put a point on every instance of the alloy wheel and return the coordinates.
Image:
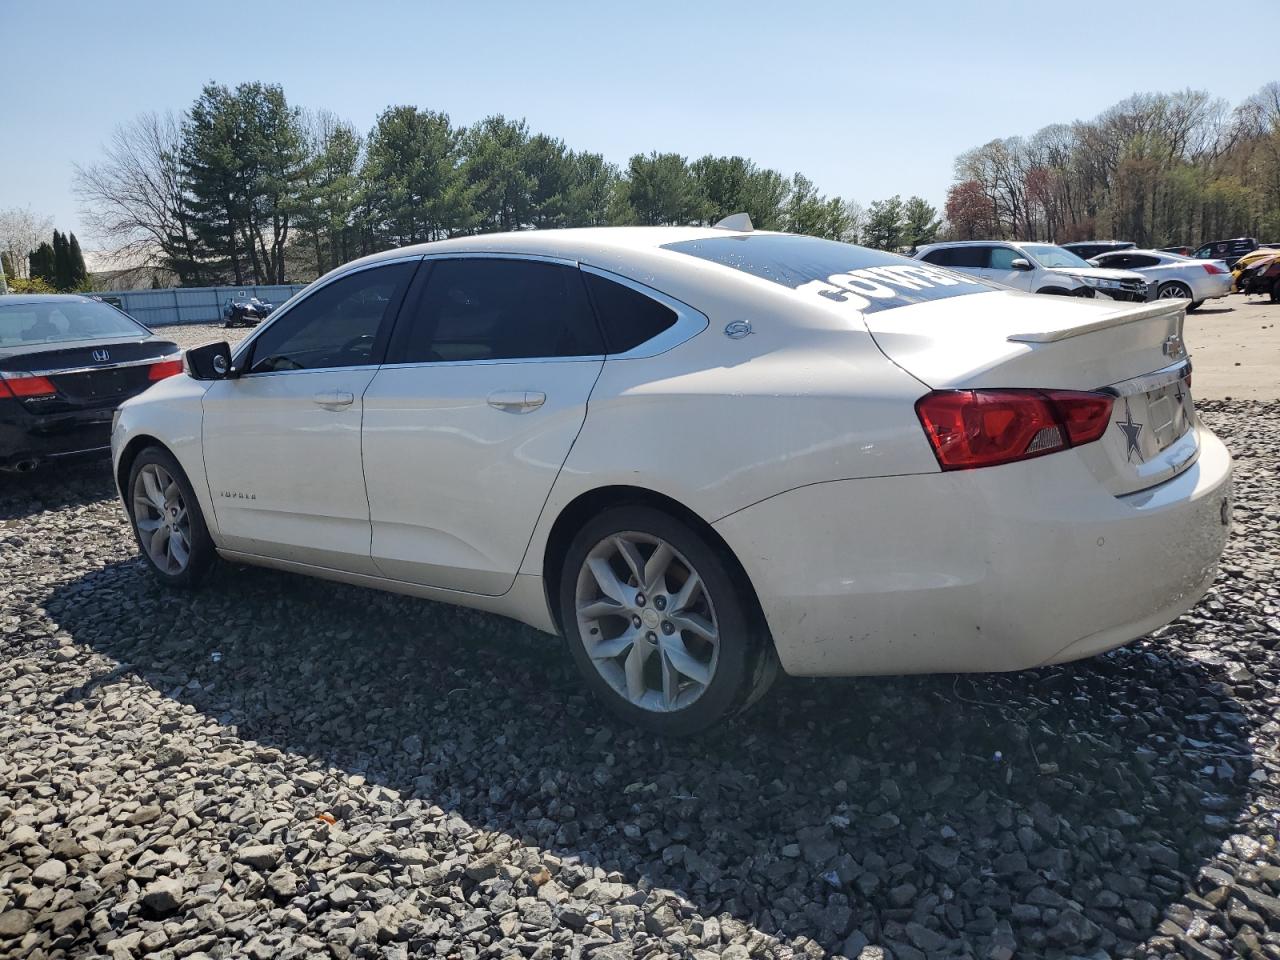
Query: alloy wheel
(647, 622)
(1174, 291)
(160, 514)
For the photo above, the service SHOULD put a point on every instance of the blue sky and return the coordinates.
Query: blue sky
(866, 99)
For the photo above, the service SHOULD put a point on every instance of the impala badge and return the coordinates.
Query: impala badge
(101, 356)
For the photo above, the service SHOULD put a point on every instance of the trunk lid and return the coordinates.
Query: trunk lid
(88, 373)
(1135, 352)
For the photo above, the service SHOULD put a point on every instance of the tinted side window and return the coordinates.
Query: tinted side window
(1002, 258)
(960, 257)
(628, 317)
(1134, 261)
(971, 257)
(338, 325)
(496, 309)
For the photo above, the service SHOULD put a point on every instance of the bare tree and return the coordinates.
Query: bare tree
(21, 231)
(134, 201)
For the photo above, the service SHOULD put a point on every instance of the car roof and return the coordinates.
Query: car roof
(576, 243)
(9, 300)
(1131, 251)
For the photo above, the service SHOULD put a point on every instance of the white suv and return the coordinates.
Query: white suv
(1036, 268)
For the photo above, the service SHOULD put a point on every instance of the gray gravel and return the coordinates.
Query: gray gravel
(197, 334)
(278, 767)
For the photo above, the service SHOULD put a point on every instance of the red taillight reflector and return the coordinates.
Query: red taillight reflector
(163, 369)
(1213, 268)
(983, 428)
(25, 386)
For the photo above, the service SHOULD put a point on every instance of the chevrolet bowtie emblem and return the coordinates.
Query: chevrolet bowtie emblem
(1174, 348)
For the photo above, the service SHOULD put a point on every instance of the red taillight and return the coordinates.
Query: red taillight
(163, 369)
(982, 428)
(1213, 268)
(25, 386)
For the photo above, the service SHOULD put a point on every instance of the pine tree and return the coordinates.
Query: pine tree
(79, 273)
(42, 264)
(61, 262)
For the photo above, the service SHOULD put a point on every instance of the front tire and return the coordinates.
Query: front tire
(665, 635)
(167, 521)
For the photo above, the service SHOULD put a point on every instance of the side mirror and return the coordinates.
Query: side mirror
(1020, 263)
(210, 362)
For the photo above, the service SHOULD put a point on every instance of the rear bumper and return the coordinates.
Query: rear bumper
(1212, 286)
(986, 570)
(27, 440)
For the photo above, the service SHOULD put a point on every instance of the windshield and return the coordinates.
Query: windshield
(1049, 256)
(57, 321)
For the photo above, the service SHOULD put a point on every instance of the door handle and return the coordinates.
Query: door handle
(517, 401)
(334, 398)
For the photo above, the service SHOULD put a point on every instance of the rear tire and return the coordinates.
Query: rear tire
(663, 632)
(167, 521)
(1196, 305)
(1175, 290)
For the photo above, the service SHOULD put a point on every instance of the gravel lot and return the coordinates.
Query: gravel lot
(278, 767)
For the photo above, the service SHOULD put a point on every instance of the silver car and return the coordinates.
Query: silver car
(1173, 277)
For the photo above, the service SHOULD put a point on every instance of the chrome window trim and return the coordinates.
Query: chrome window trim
(64, 371)
(689, 322)
(302, 296)
(499, 255)
(1150, 381)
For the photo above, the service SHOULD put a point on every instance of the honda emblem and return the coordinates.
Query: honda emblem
(101, 356)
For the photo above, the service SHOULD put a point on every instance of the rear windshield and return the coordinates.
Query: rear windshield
(56, 321)
(869, 280)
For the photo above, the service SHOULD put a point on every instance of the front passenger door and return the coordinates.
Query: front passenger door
(1000, 268)
(282, 440)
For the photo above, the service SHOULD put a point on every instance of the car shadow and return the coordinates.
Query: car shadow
(834, 806)
(74, 483)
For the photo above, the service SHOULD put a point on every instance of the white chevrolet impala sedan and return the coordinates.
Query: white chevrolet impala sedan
(700, 454)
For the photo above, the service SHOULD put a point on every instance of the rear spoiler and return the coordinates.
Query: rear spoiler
(1130, 315)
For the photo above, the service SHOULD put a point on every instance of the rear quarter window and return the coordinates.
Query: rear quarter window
(627, 317)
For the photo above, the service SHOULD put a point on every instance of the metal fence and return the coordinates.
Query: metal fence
(160, 308)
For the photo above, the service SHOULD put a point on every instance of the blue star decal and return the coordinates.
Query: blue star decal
(1131, 431)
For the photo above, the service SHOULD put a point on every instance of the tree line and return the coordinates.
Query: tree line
(245, 187)
(1158, 169)
(53, 266)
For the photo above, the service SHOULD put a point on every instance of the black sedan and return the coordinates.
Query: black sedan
(66, 363)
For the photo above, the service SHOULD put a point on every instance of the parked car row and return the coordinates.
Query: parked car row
(1171, 276)
(1035, 268)
(647, 440)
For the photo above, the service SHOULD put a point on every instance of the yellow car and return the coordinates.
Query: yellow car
(1239, 266)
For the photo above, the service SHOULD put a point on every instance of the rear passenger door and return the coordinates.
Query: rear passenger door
(468, 422)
